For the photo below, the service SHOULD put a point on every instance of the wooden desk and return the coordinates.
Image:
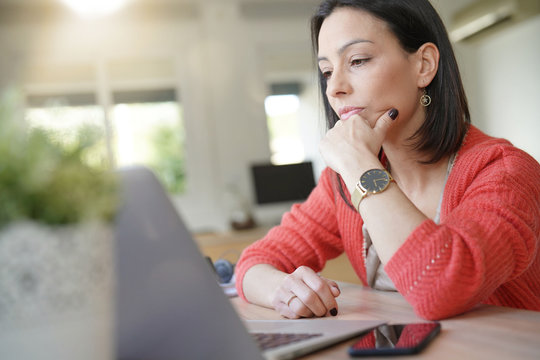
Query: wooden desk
(229, 245)
(487, 332)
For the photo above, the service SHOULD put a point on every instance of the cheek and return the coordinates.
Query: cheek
(333, 103)
(394, 89)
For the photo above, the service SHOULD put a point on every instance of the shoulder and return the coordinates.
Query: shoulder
(481, 152)
(487, 164)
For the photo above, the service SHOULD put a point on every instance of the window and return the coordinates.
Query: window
(66, 115)
(148, 130)
(281, 108)
(145, 128)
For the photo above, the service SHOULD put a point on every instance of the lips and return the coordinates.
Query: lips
(348, 111)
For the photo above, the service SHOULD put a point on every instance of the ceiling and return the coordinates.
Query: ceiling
(39, 11)
(445, 7)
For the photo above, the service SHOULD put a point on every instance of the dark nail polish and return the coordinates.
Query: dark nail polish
(393, 114)
(333, 312)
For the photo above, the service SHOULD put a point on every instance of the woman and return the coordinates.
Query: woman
(421, 201)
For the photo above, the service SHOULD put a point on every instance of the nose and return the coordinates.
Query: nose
(338, 84)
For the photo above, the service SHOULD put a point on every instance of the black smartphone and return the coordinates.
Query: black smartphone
(398, 339)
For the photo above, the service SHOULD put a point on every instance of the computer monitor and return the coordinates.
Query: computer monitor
(282, 183)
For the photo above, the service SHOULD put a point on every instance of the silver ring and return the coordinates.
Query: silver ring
(291, 299)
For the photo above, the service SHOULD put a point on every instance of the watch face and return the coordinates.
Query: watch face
(375, 180)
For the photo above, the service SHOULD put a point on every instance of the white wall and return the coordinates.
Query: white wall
(508, 90)
(501, 74)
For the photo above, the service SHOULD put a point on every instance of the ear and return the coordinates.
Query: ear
(428, 64)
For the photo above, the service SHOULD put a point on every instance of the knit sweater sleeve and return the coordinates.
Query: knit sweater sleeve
(308, 235)
(488, 236)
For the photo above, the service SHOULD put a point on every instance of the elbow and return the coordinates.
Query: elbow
(436, 314)
(435, 309)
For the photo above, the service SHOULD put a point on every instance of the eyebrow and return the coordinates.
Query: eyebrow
(342, 49)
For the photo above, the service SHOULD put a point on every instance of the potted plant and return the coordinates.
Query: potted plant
(56, 243)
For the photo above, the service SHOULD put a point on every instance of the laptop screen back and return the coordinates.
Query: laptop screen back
(169, 305)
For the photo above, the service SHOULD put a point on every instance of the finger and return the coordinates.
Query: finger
(281, 302)
(322, 301)
(283, 295)
(297, 282)
(385, 121)
(286, 301)
(324, 291)
(334, 287)
(300, 309)
(307, 302)
(286, 311)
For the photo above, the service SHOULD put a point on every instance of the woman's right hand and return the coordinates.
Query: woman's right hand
(304, 293)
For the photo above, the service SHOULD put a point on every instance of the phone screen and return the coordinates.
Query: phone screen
(396, 339)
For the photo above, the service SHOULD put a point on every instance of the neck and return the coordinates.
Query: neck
(407, 168)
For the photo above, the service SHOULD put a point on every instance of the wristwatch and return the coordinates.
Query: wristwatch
(373, 181)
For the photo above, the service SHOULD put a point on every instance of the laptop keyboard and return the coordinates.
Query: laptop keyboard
(272, 340)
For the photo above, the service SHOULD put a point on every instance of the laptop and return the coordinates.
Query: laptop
(169, 302)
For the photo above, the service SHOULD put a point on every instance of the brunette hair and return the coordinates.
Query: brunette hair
(414, 23)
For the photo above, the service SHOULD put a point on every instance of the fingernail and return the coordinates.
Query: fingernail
(333, 312)
(393, 114)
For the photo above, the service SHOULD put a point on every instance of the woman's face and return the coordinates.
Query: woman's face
(366, 69)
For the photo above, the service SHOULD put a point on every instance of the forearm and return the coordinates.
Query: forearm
(390, 217)
(260, 283)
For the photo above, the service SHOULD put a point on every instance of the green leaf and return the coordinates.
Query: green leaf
(45, 180)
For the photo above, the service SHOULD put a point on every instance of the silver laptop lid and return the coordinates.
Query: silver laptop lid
(169, 305)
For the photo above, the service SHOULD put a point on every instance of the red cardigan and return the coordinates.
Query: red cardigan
(485, 249)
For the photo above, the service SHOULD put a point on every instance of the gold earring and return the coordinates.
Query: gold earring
(425, 99)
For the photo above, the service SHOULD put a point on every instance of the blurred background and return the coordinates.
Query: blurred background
(201, 91)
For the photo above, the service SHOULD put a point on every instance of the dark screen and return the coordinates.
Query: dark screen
(405, 336)
(280, 183)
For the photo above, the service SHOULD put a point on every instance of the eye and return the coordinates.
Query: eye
(326, 71)
(326, 74)
(359, 61)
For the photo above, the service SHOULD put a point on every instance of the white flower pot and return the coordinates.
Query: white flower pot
(56, 292)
